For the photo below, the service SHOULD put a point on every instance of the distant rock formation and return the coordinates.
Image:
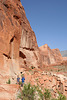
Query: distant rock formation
(64, 53)
(50, 56)
(65, 58)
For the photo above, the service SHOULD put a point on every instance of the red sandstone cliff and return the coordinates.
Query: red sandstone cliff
(50, 56)
(15, 30)
(18, 45)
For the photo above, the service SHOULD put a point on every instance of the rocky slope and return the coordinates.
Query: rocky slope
(9, 92)
(51, 80)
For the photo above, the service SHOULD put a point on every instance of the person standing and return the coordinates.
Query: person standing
(18, 79)
(22, 79)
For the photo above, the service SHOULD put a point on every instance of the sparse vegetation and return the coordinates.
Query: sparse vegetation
(8, 82)
(31, 72)
(20, 82)
(36, 79)
(61, 68)
(54, 99)
(61, 96)
(47, 94)
(22, 75)
(27, 92)
(35, 93)
(39, 92)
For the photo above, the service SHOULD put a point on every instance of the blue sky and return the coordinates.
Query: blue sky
(48, 19)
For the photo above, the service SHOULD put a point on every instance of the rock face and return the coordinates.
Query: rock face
(50, 56)
(16, 39)
(9, 92)
(15, 30)
(57, 55)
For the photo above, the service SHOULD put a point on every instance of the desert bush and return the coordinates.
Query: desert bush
(47, 94)
(8, 82)
(40, 93)
(27, 92)
(20, 82)
(54, 99)
(22, 75)
(61, 96)
(35, 93)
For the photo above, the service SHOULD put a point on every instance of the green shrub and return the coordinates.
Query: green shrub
(20, 96)
(47, 94)
(20, 82)
(35, 93)
(8, 82)
(40, 94)
(27, 93)
(54, 99)
(61, 96)
(32, 67)
(22, 75)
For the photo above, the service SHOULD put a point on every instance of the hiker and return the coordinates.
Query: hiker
(18, 79)
(23, 79)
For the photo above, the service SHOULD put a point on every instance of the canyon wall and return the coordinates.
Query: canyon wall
(18, 45)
